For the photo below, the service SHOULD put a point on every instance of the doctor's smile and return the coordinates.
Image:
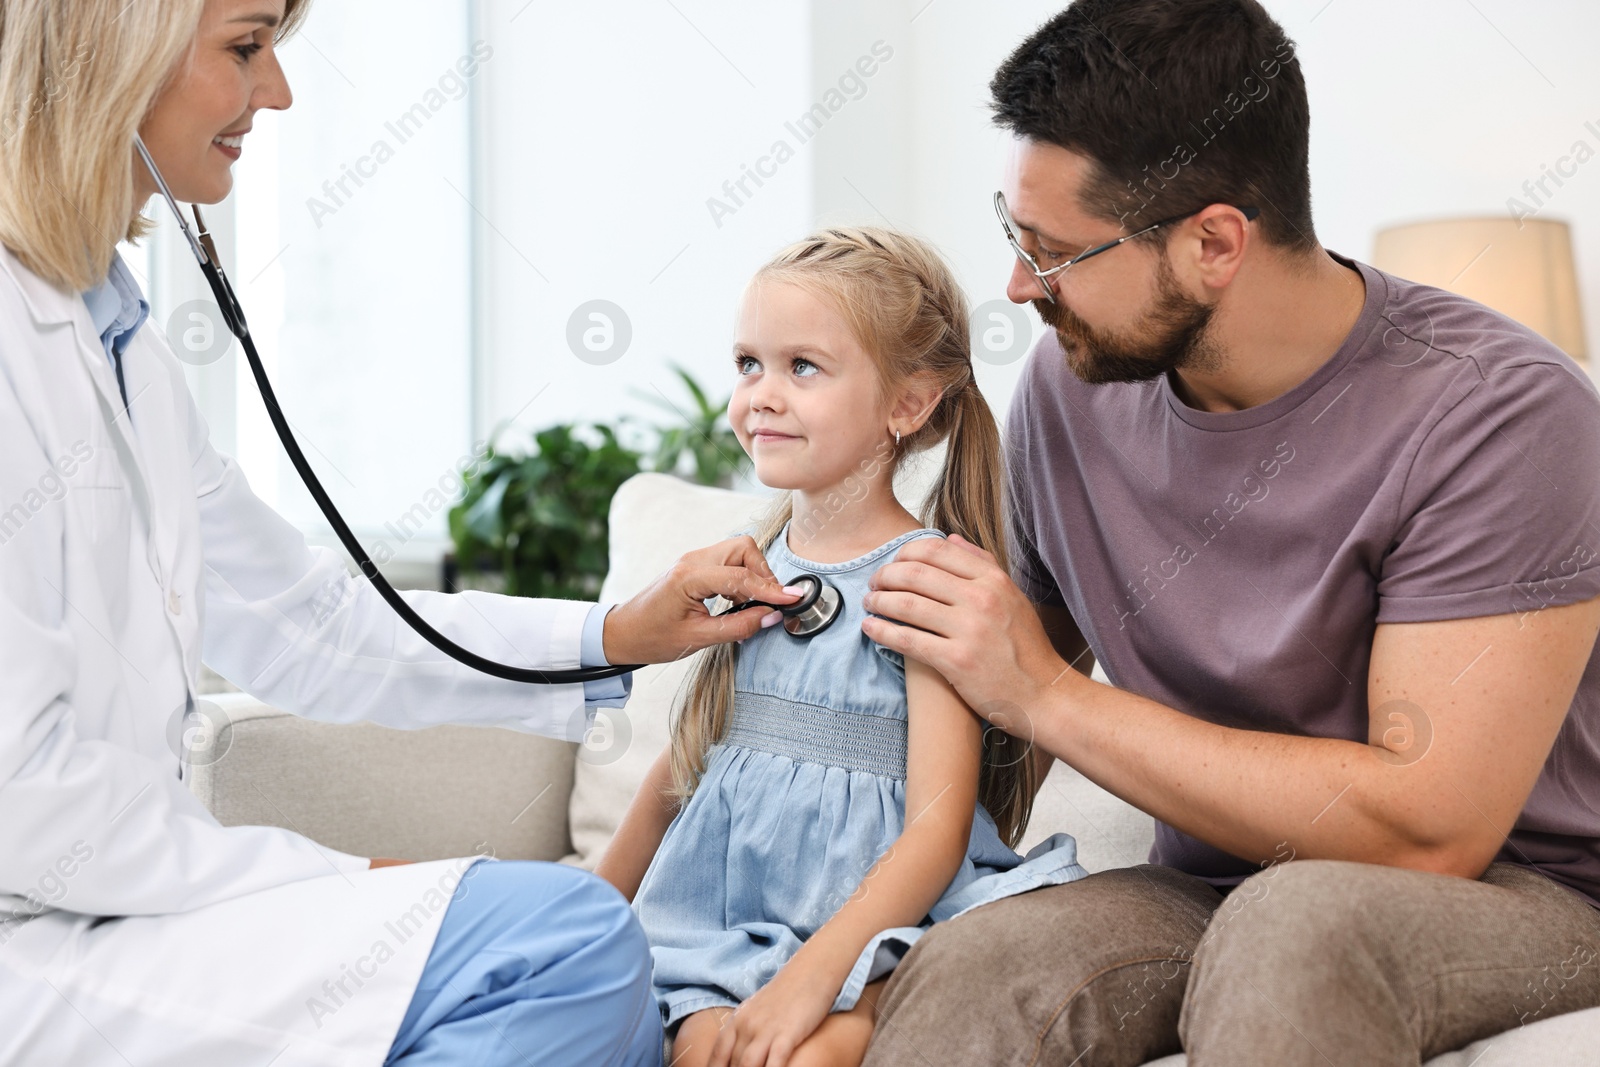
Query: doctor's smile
(767, 732)
(231, 144)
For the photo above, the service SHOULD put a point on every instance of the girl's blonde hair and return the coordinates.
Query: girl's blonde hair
(77, 79)
(900, 301)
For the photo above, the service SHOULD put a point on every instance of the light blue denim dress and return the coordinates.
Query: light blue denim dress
(802, 796)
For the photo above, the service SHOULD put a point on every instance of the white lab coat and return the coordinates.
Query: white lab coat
(127, 555)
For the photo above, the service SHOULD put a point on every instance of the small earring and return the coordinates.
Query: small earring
(897, 439)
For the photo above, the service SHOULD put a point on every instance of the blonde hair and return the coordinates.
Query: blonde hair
(77, 79)
(902, 304)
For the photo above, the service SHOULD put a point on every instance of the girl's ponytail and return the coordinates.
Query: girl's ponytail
(968, 498)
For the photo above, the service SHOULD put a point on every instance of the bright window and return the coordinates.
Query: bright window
(354, 263)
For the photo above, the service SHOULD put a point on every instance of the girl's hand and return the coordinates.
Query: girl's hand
(766, 1029)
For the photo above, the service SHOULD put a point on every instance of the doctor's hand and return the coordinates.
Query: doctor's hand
(669, 619)
(971, 624)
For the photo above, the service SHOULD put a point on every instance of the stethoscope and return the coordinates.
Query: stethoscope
(807, 617)
(813, 613)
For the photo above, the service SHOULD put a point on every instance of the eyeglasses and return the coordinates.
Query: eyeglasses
(1044, 276)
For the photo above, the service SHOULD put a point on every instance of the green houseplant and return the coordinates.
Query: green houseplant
(703, 437)
(541, 520)
(538, 524)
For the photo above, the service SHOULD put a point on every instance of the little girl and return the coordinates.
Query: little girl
(828, 801)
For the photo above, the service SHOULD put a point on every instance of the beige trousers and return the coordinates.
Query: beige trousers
(1310, 962)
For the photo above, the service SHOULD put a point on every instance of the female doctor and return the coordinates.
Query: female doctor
(133, 927)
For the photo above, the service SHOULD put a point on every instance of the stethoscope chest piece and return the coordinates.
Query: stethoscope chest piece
(815, 611)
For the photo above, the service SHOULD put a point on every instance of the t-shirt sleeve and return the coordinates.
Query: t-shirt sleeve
(1028, 570)
(1023, 452)
(1500, 513)
(894, 658)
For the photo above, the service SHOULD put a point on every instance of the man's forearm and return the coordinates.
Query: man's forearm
(1491, 691)
(1245, 792)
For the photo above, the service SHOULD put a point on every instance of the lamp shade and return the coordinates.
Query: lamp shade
(1521, 269)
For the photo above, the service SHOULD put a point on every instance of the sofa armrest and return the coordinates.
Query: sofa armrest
(369, 790)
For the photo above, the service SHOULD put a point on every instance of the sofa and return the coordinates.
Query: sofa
(460, 790)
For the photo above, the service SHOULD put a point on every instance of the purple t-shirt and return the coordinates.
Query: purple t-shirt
(1443, 464)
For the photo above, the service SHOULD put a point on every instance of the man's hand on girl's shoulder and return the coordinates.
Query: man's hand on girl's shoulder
(949, 604)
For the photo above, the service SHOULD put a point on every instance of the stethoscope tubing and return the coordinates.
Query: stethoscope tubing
(347, 537)
(233, 315)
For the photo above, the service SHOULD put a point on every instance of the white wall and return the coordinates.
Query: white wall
(609, 127)
(1421, 109)
(1448, 112)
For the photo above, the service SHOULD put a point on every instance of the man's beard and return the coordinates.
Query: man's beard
(1175, 331)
